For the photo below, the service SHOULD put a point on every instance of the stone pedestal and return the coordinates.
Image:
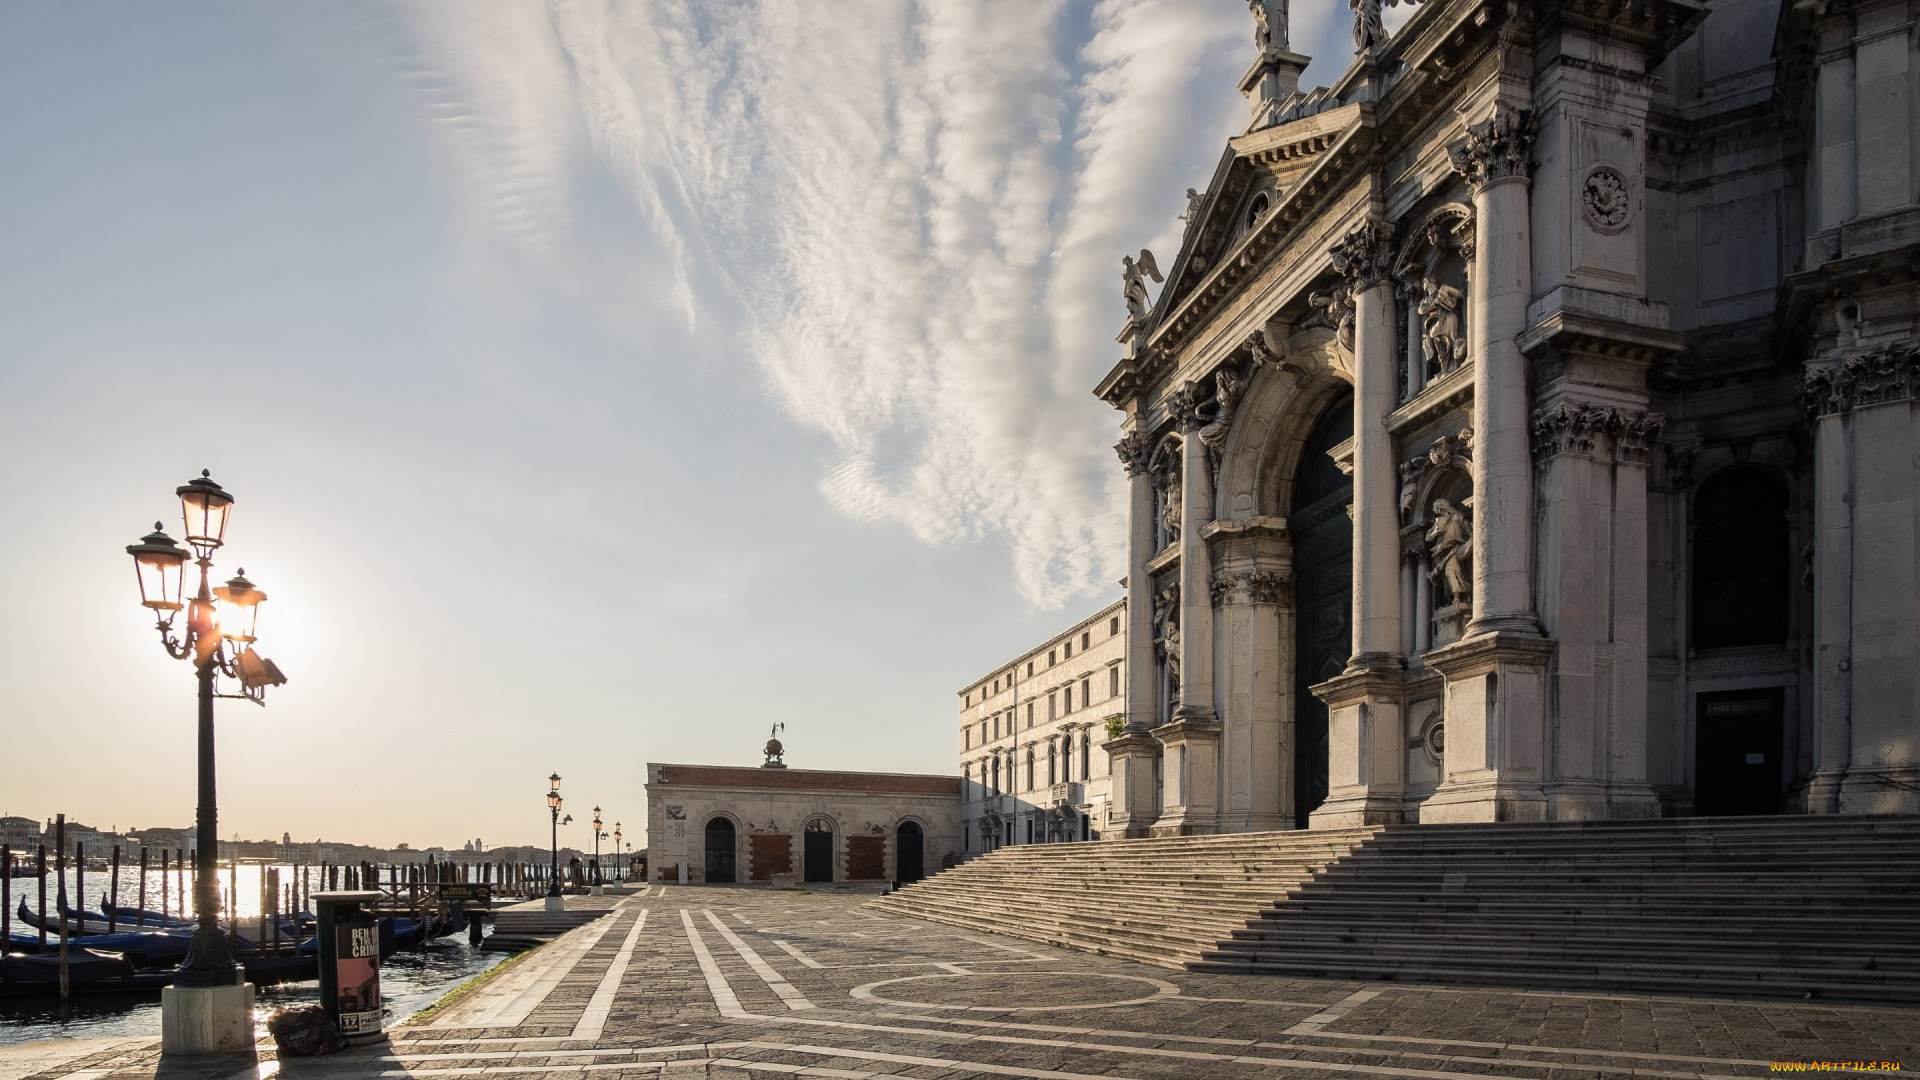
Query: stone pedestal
(596, 890)
(206, 1019)
(556, 903)
(1495, 757)
(1134, 757)
(1366, 760)
(1191, 759)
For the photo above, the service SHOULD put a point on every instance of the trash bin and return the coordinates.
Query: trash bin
(350, 963)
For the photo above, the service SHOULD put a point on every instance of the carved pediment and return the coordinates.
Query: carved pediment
(1255, 176)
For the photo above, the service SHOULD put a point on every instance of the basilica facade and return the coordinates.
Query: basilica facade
(1525, 428)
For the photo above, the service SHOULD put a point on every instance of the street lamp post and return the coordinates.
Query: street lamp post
(599, 882)
(618, 865)
(209, 1007)
(554, 902)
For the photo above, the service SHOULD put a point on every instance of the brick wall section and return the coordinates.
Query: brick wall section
(866, 858)
(809, 779)
(772, 854)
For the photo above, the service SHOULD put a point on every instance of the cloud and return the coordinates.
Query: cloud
(919, 208)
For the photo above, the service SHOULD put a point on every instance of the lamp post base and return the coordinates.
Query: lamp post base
(597, 890)
(556, 903)
(206, 1019)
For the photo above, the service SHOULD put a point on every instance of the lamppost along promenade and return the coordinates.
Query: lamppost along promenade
(599, 883)
(209, 1007)
(618, 866)
(554, 903)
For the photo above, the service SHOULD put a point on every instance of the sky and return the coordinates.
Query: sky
(598, 382)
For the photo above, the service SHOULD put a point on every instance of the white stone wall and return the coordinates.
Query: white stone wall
(1056, 695)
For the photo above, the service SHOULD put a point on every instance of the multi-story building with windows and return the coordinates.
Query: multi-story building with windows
(1031, 735)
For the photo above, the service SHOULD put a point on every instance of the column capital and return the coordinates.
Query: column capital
(1364, 257)
(1183, 406)
(1573, 427)
(1134, 449)
(1888, 373)
(1498, 148)
(1249, 587)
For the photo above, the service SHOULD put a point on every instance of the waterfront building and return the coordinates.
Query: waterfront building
(1525, 429)
(716, 823)
(1032, 738)
(22, 834)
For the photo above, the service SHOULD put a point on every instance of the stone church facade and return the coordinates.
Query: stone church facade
(1525, 428)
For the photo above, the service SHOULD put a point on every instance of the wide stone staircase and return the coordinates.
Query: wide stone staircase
(1827, 907)
(1162, 901)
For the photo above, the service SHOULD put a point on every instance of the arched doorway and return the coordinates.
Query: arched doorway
(818, 851)
(909, 853)
(1323, 585)
(719, 850)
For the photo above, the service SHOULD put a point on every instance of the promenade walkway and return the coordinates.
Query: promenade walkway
(743, 982)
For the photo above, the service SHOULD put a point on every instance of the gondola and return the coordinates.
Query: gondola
(94, 971)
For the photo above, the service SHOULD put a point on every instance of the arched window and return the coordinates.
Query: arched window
(996, 775)
(1029, 768)
(1740, 560)
(966, 780)
(1053, 766)
(1086, 754)
(1257, 209)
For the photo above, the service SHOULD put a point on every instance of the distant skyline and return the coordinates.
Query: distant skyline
(599, 383)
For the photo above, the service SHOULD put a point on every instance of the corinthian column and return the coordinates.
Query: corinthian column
(1192, 737)
(1131, 756)
(1364, 258)
(1196, 570)
(1496, 158)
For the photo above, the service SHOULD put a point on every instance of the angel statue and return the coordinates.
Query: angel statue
(1368, 29)
(1450, 541)
(1133, 282)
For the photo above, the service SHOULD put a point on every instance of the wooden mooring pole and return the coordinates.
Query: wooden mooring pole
(113, 893)
(142, 917)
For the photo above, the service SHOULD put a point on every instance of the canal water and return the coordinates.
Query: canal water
(410, 980)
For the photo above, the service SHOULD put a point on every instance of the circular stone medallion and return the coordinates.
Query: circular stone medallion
(1604, 194)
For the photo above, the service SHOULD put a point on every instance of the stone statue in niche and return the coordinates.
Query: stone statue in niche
(1167, 491)
(1228, 387)
(1166, 621)
(1133, 277)
(1450, 546)
(1439, 309)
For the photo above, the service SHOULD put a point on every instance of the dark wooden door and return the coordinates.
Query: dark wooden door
(720, 850)
(818, 855)
(1323, 584)
(1737, 749)
(909, 853)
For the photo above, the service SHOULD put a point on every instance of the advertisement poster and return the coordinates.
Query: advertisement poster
(357, 960)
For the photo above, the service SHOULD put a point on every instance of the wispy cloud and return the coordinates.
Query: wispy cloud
(918, 207)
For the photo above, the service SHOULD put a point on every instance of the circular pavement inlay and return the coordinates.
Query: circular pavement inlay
(1017, 991)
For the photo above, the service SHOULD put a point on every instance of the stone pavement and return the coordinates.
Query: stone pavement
(743, 982)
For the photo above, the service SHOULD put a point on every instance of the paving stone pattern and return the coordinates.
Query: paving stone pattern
(721, 981)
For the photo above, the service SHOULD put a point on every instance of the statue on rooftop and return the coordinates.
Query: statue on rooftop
(1133, 277)
(1269, 24)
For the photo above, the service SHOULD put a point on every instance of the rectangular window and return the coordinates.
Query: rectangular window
(1029, 675)
(996, 686)
(1029, 714)
(1069, 648)
(1086, 640)
(969, 699)
(1053, 706)
(1113, 626)
(1113, 681)
(1050, 658)
(1086, 692)
(966, 737)
(996, 726)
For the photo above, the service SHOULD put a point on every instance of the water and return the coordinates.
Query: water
(409, 981)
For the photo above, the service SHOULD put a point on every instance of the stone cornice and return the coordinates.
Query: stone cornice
(1371, 683)
(1595, 335)
(1483, 653)
(1186, 728)
(1653, 27)
(1129, 743)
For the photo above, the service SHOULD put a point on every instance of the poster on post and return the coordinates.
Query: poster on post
(357, 962)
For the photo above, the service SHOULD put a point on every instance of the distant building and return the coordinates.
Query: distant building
(1031, 735)
(713, 824)
(20, 833)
